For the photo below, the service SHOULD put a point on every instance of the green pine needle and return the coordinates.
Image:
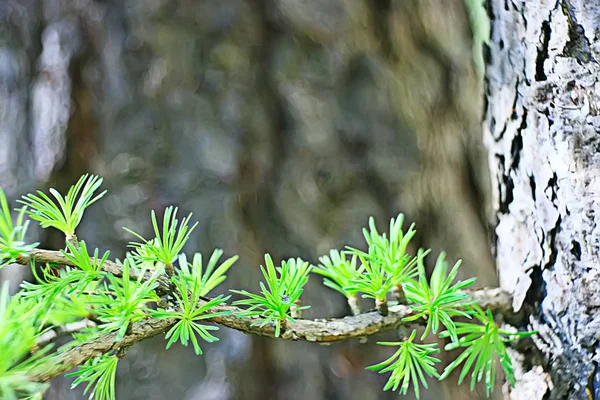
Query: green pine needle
(409, 364)
(188, 314)
(122, 301)
(12, 236)
(168, 243)
(99, 372)
(375, 281)
(53, 288)
(64, 213)
(338, 272)
(17, 336)
(438, 300)
(284, 287)
(205, 280)
(386, 263)
(81, 258)
(483, 344)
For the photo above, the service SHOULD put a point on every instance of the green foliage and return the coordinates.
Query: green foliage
(68, 213)
(165, 247)
(391, 253)
(99, 372)
(386, 263)
(439, 300)
(375, 282)
(191, 309)
(203, 281)
(17, 337)
(483, 344)
(409, 364)
(58, 291)
(294, 275)
(284, 288)
(72, 306)
(79, 256)
(12, 237)
(338, 272)
(122, 300)
(52, 290)
(60, 294)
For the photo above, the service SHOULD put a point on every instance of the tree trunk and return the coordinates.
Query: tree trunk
(541, 130)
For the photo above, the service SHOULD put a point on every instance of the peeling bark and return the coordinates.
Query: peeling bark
(541, 130)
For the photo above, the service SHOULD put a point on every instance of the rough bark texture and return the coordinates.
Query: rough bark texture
(281, 124)
(542, 132)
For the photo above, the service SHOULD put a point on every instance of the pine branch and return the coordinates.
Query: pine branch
(317, 330)
(117, 296)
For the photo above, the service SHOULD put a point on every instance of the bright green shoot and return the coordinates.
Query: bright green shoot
(438, 300)
(284, 287)
(99, 372)
(166, 245)
(338, 272)
(122, 303)
(409, 364)
(81, 258)
(58, 291)
(71, 307)
(17, 337)
(391, 252)
(483, 344)
(203, 281)
(385, 266)
(52, 284)
(65, 213)
(375, 281)
(294, 272)
(191, 310)
(12, 236)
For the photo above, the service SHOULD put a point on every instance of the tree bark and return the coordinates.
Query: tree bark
(541, 129)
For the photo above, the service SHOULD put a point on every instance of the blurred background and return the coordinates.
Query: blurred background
(282, 125)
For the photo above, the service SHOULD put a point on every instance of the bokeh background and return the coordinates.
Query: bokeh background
(281, 124)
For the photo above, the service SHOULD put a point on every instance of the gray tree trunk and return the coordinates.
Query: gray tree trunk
(542, 130)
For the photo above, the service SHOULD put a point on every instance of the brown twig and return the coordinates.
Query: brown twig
(382, 306)
(64, 330)
(399, 295)
(56, 257)
(354, 305)
(69, 359)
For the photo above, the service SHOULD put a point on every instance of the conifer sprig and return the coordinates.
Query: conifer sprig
(63, 213)
(118, 301)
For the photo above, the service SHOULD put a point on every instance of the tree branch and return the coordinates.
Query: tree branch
(103, 344)
(317, 330)
(56, 257)
(65, 330)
